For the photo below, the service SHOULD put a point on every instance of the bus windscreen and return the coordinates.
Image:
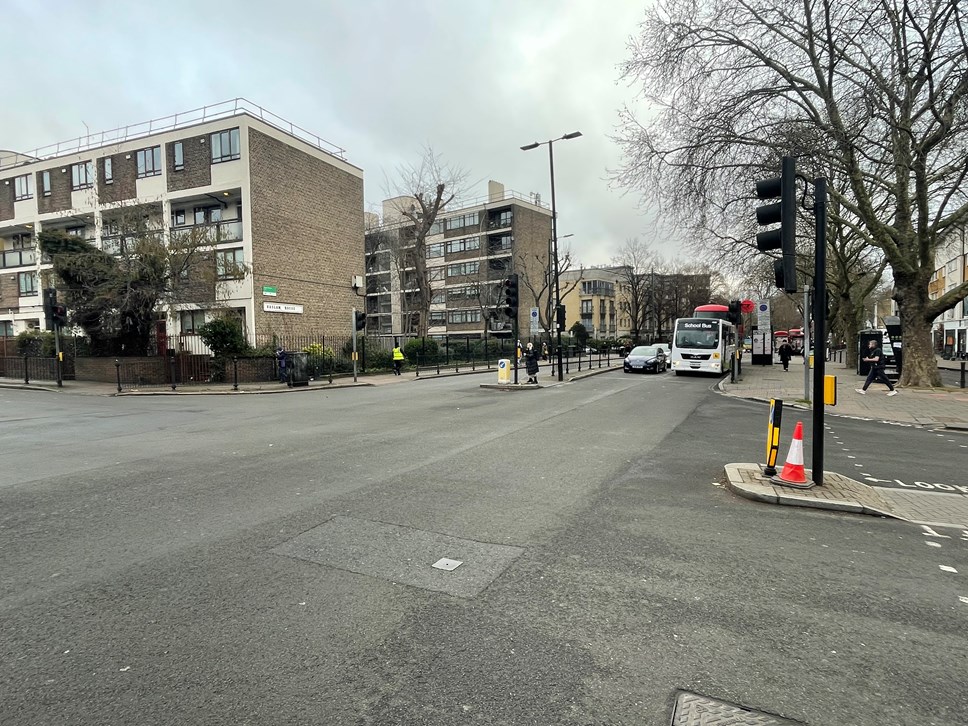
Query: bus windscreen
(701, 334)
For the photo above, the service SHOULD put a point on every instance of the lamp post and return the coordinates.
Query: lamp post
(554, 233)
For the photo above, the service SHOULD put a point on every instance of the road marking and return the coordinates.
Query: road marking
(931, 533)
(948, 569)
(963, 599)
(933, 544)
(849, 456)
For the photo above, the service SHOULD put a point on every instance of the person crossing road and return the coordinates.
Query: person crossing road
(875, 356)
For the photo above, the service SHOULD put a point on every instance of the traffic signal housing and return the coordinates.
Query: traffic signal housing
(735, 312)
(50, 299)
(359, 320)
(784, 212)
(511, 297)
(58, 315)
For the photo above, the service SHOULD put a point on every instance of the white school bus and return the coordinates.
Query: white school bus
(703, 345)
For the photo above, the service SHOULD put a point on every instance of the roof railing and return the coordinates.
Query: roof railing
(213, 112)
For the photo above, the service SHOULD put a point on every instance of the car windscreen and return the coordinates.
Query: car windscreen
(644, 351)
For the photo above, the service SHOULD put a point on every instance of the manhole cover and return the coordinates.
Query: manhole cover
(693, 709)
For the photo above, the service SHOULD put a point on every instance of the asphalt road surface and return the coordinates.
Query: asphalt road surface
(269, 560)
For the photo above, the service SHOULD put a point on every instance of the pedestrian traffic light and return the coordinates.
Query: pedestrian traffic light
(359, 319)
(560, 317)
(511, 297)
(58, 315)
(784, 212)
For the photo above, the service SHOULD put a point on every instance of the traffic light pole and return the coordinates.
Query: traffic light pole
(554, 252)
(819, 322)
(57, 361)
(353, 328)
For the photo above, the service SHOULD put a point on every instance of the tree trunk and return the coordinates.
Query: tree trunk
(919, 366)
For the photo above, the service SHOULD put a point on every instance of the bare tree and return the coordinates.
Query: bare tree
(874, 93)
(425, 189)
(635, 263)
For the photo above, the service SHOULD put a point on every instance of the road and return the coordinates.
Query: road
(267, 560)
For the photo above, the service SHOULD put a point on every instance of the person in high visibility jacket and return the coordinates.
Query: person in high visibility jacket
(397, 360)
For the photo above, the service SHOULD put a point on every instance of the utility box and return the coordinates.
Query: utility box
(830, 390)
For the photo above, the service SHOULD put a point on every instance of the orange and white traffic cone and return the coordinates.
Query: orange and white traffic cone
(793, 474)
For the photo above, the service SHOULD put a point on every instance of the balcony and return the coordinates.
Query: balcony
(17, 258)
(213, 232)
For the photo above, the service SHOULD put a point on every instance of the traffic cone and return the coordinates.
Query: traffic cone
(793, 474)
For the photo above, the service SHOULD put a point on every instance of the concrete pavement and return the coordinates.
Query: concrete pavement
(936, 408)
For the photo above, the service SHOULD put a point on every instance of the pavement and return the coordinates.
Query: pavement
(938, 408)
(945, 408)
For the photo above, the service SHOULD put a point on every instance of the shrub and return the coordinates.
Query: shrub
(424, 350)
(36, 343)
(224, 337)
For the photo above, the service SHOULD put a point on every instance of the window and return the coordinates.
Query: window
(82, 175)
(463, 244)
(464, 268)
(500, 244)
(598, 287)
(179, 154)
(149, 162)
(225, 146)
(464, 316)
(22, 241)
(108, 170)
(587, 307)
(28, 283)
(435, 250)
(23, 188)
(192, 320)
(230, 264)
(45, 183)
(438, 318)
(461, 220)
(463, 292)
(177, 217)
(205, 215)
(6, 328)
(75, 231)
(439, 297)
(436, 274)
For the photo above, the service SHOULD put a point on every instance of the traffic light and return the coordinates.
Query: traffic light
(784, 212)
(50, 299)
(511, 297)
(58, 315)
(560, 317)
(360, 319)
(735, 312)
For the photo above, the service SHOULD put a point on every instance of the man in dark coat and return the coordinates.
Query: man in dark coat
(786, 353)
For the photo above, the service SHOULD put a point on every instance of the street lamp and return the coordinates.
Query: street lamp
(554, 232)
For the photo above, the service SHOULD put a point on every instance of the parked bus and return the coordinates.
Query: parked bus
(703, 345)
(719, 312)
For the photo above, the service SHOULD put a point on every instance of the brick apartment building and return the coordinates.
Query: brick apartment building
(470, 251)
(283, 207)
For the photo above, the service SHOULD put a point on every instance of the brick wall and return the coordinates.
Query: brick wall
(9, 290)
(198, 164)
(307, 224)
(531, 231)
(125, 174)
(7, 193)
(60, 190)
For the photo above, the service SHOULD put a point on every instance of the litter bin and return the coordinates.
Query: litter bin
(297, 363)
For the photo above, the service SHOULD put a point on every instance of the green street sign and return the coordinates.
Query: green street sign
(269, 290)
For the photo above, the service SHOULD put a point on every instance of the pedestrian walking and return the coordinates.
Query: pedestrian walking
(281, 358)
(531, 363)
(786, 353)
(544, 351)
(875, 356)
(398, 359)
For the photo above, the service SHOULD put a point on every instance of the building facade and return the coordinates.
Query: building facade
(469, 252)
(597, 298)
(951, 327)
(279, 210)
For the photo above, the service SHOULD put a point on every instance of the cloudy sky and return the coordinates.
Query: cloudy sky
(473, 79)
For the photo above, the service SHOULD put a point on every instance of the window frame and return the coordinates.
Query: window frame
(18, 194)
(77, 184)
(237, 263)
(45, 183)
(178, 156)
(234, 139)
(6, 329)
(27, 290)
(144, 169)
(191, 315)
(108, 170)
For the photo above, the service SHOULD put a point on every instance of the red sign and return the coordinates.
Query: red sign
(747, 306)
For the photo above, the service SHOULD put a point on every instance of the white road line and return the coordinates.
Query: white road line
(933, 544)
(931, 533)
(948, 569)
(963, 599)
(851, 457)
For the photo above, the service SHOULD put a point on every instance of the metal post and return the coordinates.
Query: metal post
(171, 366)
(235, 373)
(353, 328)
(554, 252)
(962, 374)
(26, 372)
(117, 368)
(57, 361)
(819, 323)
(806, 342)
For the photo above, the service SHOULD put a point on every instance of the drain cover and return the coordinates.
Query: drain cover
(693, 709)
